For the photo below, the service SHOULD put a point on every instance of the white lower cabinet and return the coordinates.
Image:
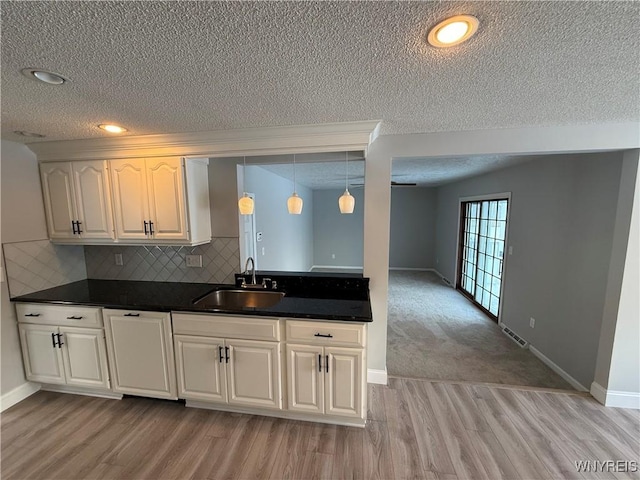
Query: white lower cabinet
(326, 370)
(141, 353)
(232, 371)
(325, 380)
(59, 354)
(237, 372)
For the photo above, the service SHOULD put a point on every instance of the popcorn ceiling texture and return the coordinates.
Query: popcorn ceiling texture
(220, 260)
(163, 67)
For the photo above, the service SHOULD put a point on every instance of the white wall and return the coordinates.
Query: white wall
(337, 234)
(561, 220)
(618, 365)
(531, 140)
(22, 220)
(287, 239)
(413, 227)
(224, 197)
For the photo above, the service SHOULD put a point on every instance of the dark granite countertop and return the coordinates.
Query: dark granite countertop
(179, 296)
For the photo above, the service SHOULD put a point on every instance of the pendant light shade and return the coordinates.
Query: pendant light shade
(245, 203)
(294, 202)
(346, 202)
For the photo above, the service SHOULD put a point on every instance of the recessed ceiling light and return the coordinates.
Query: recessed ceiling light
(24, 133)
(44, 76)
(453, 31)
(112, 128)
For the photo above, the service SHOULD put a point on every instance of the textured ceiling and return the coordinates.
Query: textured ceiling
(165, 67)
(327, 170)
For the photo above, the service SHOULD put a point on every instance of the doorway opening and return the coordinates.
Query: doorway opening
(482, 240)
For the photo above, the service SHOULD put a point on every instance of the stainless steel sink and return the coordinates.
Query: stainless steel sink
(239, 299)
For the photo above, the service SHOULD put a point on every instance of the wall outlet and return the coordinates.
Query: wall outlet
(259, 237)
(194, 260)
(510, 250)
(333, 255)
(118, 259)
(532, 322)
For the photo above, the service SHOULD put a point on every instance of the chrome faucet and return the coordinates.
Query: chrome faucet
(253, 271)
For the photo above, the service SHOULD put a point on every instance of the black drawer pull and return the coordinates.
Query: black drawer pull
(328, 335)
(146, 232)
(131, 314)
(221, 354)
(320, 363)
(53, 340)
(226, 352)
(78, 223)
(60, 343)
(32, 315)
(151, 232)
(73, 226)
(74, 318)
(326, 362)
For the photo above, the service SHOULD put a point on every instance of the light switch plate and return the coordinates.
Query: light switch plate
(118, 259)
(194, 260)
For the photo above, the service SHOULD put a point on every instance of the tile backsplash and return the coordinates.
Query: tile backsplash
(38, 265)
(220, 260)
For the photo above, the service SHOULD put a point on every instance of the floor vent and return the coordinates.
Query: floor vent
(446, 281)
(513, 336)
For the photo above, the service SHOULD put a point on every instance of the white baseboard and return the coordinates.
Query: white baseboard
(412, 269)
(613, 398)
(377, 376)
(572, 381)
(337, 267)
(18, 394)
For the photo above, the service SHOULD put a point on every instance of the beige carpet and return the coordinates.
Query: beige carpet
(436, 333)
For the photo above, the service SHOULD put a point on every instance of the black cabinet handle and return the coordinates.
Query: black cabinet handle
(145, 227)
(221, 354)
(320, 363)
(32, 315)
(60, 343)
(78, 223)
(328, 335)
(73, 226)
(74, 318)
(53, 340)
(326, 363)
(131, 314)
(150, 227)
(226, 353)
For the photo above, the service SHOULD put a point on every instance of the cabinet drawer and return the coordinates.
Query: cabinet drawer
(258, 328)
(46, 314)
(326, 333)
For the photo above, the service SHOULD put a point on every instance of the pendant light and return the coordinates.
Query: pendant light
(245, 204)
(346, 201)
(294, 203)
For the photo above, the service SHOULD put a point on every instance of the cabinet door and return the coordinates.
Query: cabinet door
(85, 357)
(305, 371)
(140, 352)
(42, 360)
(92, 198)
(254, 373)
(343, 383)
(167, 205)
(201, 368)
(57, 190)
(130, 200)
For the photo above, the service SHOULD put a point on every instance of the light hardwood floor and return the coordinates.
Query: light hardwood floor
(417, 429)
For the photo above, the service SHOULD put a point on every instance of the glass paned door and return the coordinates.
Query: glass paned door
(481, 253)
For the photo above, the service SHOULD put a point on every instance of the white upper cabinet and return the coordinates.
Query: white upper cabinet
(77, 202)
(161, 200)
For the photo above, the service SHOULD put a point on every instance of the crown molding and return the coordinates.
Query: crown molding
(326, 137)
